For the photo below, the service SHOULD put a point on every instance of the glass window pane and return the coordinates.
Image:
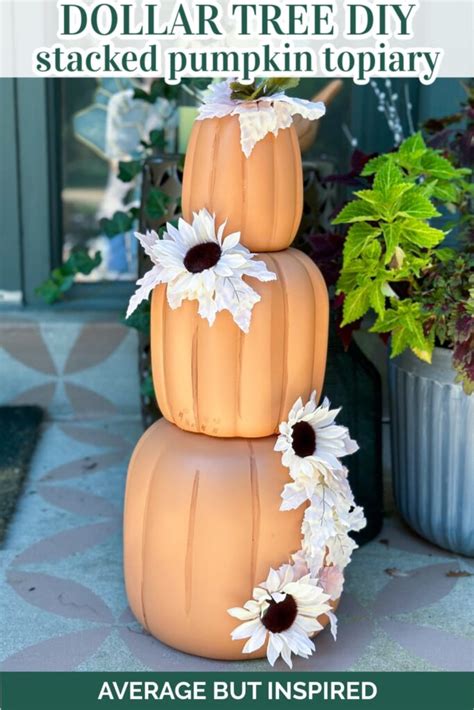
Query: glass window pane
(90, 187)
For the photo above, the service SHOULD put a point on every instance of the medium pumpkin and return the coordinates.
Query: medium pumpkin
(202, 527)
(260, 196)
(219, 381)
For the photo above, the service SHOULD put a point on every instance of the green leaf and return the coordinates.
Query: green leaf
(157, 139)
(411, 152)
(274, 86)
(356, 304)
(371, 256)
(267, 87)
(141, 95)
(389, 321)
(439, 167)
(242, 92)
(357, 211)
(156, 204)
(120, 223)
(387, 175)
(348, 276)
(445, 254)
(129, 170)
(446, 191)
(420, 233)
(373, 165)
(413, 146)
(358, 237)
(377, 298)
(427, 188)
(66, 284)
(393, 198)
(373, 197)
(391, 235)
(413, 322)
(140, 318)
(82, 263)
(62, 278)
(400, 341)
(414, 204)
(405, 322)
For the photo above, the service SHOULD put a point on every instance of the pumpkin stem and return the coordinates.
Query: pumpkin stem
(257, 90)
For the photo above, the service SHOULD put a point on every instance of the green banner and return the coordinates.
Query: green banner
(84, 691)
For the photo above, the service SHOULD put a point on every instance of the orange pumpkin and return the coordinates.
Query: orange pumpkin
(202, 527)
(260, 196)
(219, 381)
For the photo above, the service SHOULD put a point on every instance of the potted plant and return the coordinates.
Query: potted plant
(398, 268)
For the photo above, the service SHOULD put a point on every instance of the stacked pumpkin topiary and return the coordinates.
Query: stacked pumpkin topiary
(236, 338)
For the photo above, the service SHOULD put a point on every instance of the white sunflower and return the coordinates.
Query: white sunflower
(199, 264)
(285, 608)
(311, 440)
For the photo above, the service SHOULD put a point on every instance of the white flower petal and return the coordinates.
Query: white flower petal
(248, 628)
(146, 284)
(272, 582)
(274, 648)
(240, 613)
(333, 623)
(231, 241)
(148, 241)
(256, 640)
(286, 655)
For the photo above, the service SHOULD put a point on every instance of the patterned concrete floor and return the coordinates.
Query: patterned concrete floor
(62, 601)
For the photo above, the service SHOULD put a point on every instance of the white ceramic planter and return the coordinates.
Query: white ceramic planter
(432, 450)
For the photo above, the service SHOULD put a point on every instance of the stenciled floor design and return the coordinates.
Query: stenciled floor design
(407, 606)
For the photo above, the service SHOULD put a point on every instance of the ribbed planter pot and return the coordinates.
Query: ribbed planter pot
(432, 450)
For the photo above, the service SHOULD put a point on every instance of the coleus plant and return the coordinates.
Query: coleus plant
(395, 263)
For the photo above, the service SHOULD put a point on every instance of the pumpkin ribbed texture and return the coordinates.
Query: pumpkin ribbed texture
(221, 382)
(260, 196)
(202, 528)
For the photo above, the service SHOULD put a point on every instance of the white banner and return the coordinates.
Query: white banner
(425, 39)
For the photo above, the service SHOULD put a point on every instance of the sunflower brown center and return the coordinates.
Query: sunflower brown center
(202, 256)
(280, 615)
(304, 439)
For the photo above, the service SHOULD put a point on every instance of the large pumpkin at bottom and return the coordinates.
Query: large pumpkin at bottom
(202, 527)
(260, 196)
(219, 381)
